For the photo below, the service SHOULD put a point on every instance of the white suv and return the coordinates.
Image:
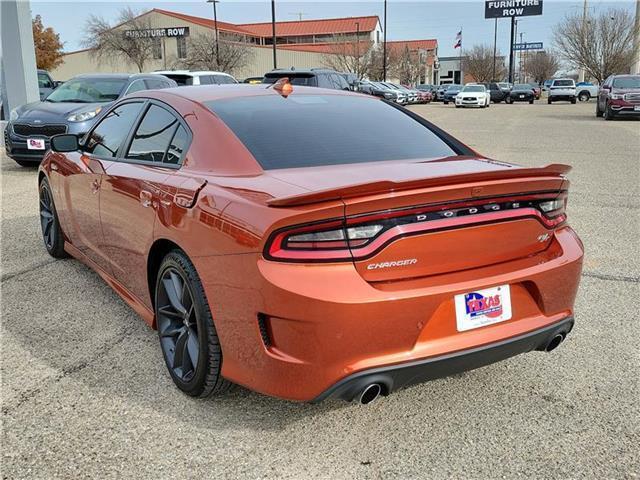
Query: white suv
(562, 89)
(186, 77)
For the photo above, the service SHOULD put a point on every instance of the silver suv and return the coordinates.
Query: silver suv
(562, 89)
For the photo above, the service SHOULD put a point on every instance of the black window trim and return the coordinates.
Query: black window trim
(126, 143)
(101, 118)
(129, 138)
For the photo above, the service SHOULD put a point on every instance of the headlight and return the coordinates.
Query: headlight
(617, 96)
(84, 115)
(13, 115)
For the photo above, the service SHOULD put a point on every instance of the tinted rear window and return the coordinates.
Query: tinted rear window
(315, 130)
(563, 83)
(305, 80)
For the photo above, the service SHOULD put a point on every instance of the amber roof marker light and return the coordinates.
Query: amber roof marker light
(283, 86)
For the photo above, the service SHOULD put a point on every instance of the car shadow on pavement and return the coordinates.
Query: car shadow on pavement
(76, 333)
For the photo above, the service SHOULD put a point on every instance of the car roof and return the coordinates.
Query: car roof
(124, 76)
(304, 71)
(207, 93)
(193, 73)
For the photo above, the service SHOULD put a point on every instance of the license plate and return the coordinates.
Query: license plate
(483, 307)
(636, 108)
(35, 144)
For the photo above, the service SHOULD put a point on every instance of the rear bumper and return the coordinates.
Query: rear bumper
(395, 377)
(323, 323)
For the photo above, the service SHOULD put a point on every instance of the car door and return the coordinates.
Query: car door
(603, 92)
(134, 190)
(81, 178)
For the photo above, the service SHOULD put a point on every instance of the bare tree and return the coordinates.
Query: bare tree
(233, 56)
(111, 44)
(407, 66)
(602, 44)
(541, 66)
(376, 67)
(349, 55)
(478, 63)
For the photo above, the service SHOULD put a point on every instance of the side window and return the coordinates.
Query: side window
(156, 83)
(105, 139)
(152, 137)
(136, 86)
(207, 80)
(44, 81)
(177, 146)
(223, 79)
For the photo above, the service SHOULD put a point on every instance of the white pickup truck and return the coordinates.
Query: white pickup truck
(586, 90)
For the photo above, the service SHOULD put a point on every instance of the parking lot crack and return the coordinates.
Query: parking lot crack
(36, 266)
(102, 351)
(612, 278)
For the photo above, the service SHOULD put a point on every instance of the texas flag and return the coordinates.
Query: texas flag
(458, 40)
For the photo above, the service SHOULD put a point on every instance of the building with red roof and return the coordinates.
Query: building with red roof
(300, 44)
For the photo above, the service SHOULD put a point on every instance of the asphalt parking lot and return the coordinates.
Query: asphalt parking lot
(85, 392)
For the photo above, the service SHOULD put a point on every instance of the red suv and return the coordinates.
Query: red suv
(619, 95)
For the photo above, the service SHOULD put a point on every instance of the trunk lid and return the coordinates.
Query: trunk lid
(444, 216)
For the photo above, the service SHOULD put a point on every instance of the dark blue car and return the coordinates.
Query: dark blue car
(70, 108)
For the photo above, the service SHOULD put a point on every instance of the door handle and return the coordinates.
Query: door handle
(145, 198)
(95, 186)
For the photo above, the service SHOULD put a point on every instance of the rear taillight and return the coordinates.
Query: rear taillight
(362, 236)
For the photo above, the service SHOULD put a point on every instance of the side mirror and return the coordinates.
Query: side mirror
(63, 143)
(606, 87)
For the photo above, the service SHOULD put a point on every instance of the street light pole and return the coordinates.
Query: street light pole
(273, 32)
(635, 68)
(584, 26)
(384, 45)
(215, 27)
(495, 43)
(358, 49)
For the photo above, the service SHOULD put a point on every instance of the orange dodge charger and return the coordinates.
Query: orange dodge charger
(310, 243)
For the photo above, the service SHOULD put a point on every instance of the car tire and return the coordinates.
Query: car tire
(549, 101)
(573, 101)
(598, 111)
(584, 96)
(188, 338)
(608, 113)
(52, 235)
(530, 102)
(446, 103)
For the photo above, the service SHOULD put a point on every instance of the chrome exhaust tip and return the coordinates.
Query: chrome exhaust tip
(554, 342)
(370, 393)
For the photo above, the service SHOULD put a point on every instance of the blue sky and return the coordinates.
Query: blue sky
(405, 20)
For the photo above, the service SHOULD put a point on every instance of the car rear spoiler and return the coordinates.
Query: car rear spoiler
(350, 191)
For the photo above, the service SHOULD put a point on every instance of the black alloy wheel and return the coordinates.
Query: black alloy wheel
(177, 324)
(50, 226)
(188, 338)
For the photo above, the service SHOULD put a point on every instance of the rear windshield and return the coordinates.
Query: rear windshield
(474, 88)
(626, 82)
(180, 79)
(524, 86)
(563, 83)
(315, 130)
(305, 80)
